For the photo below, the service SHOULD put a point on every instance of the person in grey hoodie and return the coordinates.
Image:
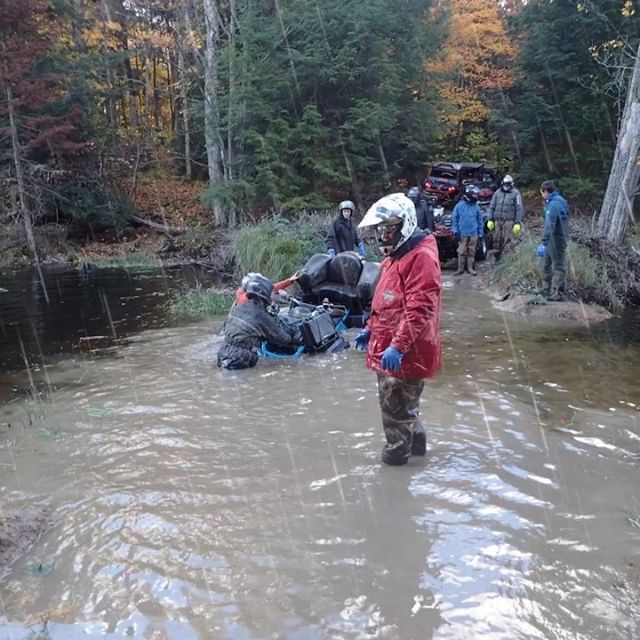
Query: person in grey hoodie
(505, 216)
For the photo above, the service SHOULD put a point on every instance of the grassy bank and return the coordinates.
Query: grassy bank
(277, 246)
(596, 272)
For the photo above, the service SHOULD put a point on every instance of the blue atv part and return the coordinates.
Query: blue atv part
(341, 325)
(265, 352)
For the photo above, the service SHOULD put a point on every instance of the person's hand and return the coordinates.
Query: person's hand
(491, 225)
(362, 340)
(456, 237)
(391, 359)
(331, 253)
(361, 249)
(540, 251)
(517, 228)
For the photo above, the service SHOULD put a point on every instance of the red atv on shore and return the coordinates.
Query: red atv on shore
(446, 181)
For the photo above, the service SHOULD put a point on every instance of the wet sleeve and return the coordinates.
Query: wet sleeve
(550, 221)
(492, 205)
(356, 236)
(331, 237)
(421, 298)
(273, 332)
(455, 219)
(519, 207)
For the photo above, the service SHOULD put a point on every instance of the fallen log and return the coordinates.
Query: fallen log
(156, 226)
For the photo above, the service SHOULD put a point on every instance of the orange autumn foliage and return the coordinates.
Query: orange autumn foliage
(476, 60)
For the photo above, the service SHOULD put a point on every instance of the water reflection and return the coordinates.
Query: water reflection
(194, 503)
(80, 313)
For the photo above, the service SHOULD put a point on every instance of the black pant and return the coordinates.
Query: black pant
(554, 270)
(231, 356)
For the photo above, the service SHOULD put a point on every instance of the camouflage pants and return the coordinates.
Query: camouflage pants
(467, 246)
(400, 407)
(502, 235)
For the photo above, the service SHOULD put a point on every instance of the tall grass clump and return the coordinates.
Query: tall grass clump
(200, 303)
(277, 247)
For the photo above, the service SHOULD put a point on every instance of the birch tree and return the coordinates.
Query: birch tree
(211, 119)
(616, 214)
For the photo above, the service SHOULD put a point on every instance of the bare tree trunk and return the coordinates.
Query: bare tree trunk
(616, 214)
(355, 185)
(17, 163)
(212, 134)
(171, 77)
(543, 140)
(186, 124)
(383, 158)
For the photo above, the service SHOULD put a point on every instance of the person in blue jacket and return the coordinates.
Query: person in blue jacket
(553, 245)
(468, 226)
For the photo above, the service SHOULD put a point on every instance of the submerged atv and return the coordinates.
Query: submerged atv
(345, 280)
(318, 329)
(336, 294)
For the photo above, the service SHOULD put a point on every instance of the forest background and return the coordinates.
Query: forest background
(182, 120)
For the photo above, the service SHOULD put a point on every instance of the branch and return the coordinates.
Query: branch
(156, 226)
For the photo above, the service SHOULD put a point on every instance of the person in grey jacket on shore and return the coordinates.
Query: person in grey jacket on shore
(505, 216)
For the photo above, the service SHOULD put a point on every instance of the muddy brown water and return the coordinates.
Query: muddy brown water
(191, 503)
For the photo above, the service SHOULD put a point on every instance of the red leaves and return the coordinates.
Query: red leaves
(46, 125)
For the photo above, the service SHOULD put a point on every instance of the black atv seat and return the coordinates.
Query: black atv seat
(345, 269)
(343, 280)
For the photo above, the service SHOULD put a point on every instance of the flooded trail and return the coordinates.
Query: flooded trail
(191, 503)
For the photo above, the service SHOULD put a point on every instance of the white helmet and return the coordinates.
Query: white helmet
(507, 183)
(393, 209)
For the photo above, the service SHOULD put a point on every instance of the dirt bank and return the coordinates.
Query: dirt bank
(19, 529)
(536, 308)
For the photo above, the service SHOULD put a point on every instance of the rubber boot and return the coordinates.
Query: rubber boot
(470, 268)
(396, 454)
(460, 270)
(544, 291)
(557, 296)
(419, 440)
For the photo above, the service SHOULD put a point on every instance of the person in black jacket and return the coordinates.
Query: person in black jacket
(250, 324)
(424, 213)
(343, 235)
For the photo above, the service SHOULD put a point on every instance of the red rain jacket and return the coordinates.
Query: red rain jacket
(405, 311)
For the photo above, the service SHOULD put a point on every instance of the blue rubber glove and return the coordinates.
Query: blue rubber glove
(331, 253)
(540, 251)
(391, 359)
(362, 340)
(361, 249)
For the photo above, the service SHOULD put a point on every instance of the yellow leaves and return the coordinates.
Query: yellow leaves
(110, 25)
(627, 9)
(476, 58)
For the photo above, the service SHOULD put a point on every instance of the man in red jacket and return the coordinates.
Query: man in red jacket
(402, 336)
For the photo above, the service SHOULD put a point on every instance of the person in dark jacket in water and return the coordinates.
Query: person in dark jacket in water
(250, 324)
(343, 235)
